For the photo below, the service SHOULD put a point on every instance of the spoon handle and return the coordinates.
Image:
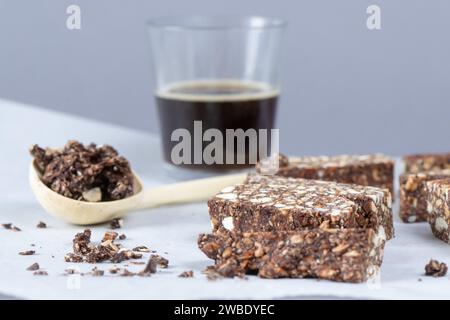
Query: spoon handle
(189, 191)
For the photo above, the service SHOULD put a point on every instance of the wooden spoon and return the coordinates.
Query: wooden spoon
(86, 213)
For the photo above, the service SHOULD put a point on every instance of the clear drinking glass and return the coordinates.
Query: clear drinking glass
(214, 73)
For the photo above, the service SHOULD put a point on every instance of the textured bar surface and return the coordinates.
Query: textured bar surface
(273, 203)
(439, 208)
(350, 255)
(413, 194)
(375, 170)
(426, 162)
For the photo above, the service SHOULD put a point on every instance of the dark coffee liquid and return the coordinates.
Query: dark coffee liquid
(220, 105)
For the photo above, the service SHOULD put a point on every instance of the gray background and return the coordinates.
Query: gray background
(345, 89)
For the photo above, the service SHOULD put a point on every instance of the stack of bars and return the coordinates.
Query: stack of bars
(424, 192)
(290, 225)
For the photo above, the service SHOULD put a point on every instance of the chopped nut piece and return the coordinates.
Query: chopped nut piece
(141, 249)
(435, 268)
(116, 223)
(41, 225)
(33, 267)
(186, 274)
(109, 235)
(27, 253)
(92, 195)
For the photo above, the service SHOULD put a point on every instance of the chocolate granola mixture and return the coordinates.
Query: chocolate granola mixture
(414, 194)
(426, 162)
(273, 203)
(87, 173)
(375, 170)
(438, 208)
(107, 250)
(349, 255)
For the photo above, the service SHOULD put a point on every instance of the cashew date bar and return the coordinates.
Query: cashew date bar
(350, 255)
(426, 162)
(375, 170)
(413, 194)
(439, 208)
(273, 203)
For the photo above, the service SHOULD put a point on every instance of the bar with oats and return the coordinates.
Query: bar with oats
(348, 255)
(375, 170)
(426, 162)
(273, 203)
(439, 208)
(413, 194)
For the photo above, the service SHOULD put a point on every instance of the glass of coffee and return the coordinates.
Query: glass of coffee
(217, 89)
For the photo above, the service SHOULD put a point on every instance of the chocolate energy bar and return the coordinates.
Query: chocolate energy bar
(368, 170)
(349, 255)
(413, 194)
(426, 162)
(273, 203)
(439, 208)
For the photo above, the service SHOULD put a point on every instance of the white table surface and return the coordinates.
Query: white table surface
(173, 230)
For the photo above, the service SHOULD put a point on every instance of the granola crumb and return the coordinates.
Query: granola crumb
(151, 266)
(71, 271)
(141, 249)
(40, 273)
(33, 267)
(27, 253)
(161, 261)
(10, 226)
(41, 225)
(211, 273)
(435, 268)
(186, 274)
(106, 251)
(97, 272)
(116, 223)
(114, 270)
(127, 273)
